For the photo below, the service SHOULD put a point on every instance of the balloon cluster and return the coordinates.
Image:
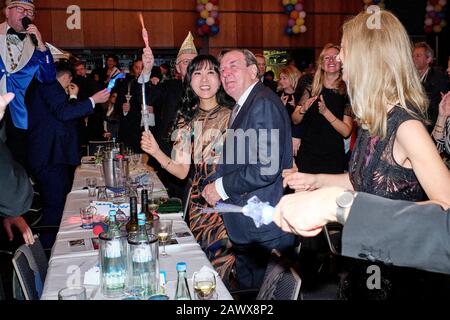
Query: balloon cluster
(435, 17)
(208, 22)
(368, 3)
(296, 22)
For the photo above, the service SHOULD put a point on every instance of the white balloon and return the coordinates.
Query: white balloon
(302, 14)
(428, 22)
(210, 21)
(303, 29)
(430, 8)
(209, 6)
(442, 2)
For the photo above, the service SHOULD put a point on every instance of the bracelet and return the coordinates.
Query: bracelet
(168, 163)
(333, 120)
(439, 126)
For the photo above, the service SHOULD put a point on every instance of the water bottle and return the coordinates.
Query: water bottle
(112, 259)
(143, 270)
(182, 292)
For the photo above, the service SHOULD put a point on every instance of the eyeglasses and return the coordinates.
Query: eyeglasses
(185, 61)
(330, 58)
(28, 12)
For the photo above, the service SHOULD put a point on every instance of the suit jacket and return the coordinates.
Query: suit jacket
(434, 84)
(52, 135)
(17, 194)
(33, 63)
(398, 232)
(259, 172)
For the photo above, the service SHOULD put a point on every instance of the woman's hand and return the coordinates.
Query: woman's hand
(323, 109)
(308, 104)
(149, 144)
(444, 106)
(301, 181)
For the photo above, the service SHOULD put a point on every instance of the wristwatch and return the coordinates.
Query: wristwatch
(344, 202)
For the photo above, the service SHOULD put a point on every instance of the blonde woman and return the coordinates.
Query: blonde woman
(394, 156)
(326, 119)
(287, 85)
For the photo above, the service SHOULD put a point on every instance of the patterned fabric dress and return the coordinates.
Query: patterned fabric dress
(373, 170)
(206, 133)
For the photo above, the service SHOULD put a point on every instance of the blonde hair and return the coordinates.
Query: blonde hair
(381, 72)
(292, 73)
(319, 76)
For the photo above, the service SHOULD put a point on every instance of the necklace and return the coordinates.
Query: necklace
(14, 64)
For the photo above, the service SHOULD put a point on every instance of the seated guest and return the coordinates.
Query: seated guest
(17, 193)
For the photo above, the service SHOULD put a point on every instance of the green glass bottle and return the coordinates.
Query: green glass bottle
(132, 224)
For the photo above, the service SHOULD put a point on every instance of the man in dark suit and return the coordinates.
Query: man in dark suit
(252, 165)
(52, 138)
(17, 192)
(433, 80)
(397, 232)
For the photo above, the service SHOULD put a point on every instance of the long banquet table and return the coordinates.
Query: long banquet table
(73, 253)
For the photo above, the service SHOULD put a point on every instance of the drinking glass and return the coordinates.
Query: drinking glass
(72, 293)
(204, 285)
(87, 217)
(164, 233)
(102, 195)
(91, 184)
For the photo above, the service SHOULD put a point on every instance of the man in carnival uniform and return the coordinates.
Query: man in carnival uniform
(23, 56)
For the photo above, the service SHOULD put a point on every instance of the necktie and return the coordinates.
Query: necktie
(19, 35)
(234, 113)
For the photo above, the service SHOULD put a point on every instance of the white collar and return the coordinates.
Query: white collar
(245, 95)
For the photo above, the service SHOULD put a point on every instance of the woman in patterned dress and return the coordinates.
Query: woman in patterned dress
(198, 135)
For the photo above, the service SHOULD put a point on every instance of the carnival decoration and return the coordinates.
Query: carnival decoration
(435, 16)
(296, 22)
(208, 23)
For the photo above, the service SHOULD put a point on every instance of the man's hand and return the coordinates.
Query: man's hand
(305, 213)
(73, 89)
(32, 29)
(20, 224)
(4, 101)
(101, 96)
(210, 194)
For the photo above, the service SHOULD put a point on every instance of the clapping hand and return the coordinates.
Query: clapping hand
(444, 105)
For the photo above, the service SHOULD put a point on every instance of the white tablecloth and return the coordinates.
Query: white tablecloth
(73, 252)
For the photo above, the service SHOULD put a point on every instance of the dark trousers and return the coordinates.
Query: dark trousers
(252, 260)
(53, 185)
(16, 140)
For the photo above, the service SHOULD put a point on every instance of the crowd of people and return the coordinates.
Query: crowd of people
(396, 109)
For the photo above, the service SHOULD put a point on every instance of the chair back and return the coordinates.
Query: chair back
(30, 266)
(281, 281)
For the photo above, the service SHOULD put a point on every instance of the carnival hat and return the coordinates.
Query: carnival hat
(188, 46)
(11, 3)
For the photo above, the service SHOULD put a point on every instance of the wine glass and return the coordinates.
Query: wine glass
(204, 285)
(164, 233)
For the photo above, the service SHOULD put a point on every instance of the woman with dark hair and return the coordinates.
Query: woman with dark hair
(198, 135)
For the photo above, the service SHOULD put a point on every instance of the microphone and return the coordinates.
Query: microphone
(25, 23)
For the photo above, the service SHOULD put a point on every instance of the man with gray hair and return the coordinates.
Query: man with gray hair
(258, 113)
(433, 80)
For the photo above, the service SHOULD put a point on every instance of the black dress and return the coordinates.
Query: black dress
(322, 147)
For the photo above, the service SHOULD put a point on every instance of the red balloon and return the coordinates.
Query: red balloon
(200, 31)
(434, 2)
(436, 20)
(217, 22)
(205, 28)
(214, 2)
(428, 29)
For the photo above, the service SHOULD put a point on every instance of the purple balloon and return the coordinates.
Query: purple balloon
(299, 7)
(200, 7)
(291, 22)
(214, 14)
